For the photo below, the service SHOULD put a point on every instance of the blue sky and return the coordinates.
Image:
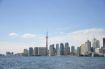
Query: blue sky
(36, 16)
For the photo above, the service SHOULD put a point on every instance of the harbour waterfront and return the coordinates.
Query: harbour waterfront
(53, 62)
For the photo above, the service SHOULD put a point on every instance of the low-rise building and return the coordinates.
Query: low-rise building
(42, 51)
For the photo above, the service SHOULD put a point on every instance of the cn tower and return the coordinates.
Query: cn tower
(47, 43)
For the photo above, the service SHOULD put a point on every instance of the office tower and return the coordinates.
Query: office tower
(42, 51)
(30, 51)
(104, 46)
(88, 47)
(61, 49)
(51, 50)
(103, 42)
(35, 51)
(83, 50)
(67, 49)
(72, 50)
(47, 43)
(57, 50)
(96, 43)
(78, 51)
(25, 53)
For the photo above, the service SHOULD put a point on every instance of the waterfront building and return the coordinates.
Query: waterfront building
(88, 47)
(9, 53)
(42, 51)
(25, 53)
(57, 50)
(61, 49)
(104, 46)
(72, 50)
(67, 49)
(96, 44)
(51, 50)
(35, 51)
(19, 54)
(78, 51)
(103, 42)
(101, 50)
(30, 51)
(97, 51)
(2, 55)
(83, 50)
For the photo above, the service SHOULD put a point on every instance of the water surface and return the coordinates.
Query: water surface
(53, 62)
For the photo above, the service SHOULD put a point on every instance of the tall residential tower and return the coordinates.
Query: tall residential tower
(103, 42)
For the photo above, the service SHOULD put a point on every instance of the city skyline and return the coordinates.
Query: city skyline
(63, 49)
(91, 49)
(24, 24)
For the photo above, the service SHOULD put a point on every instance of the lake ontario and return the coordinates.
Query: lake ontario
(52, 62)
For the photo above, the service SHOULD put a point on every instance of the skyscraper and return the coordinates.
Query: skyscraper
(25, 53)
(104, 46)
(96, 43)
(36, 51)
(72, 50)
(61, 49)
(83, 50)
(88, 47)
(30, 51)
(57, 50)
(51, 50)
(67, 49)
(78, 51)
(103, 42)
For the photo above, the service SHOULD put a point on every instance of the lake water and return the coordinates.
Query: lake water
(53, 62)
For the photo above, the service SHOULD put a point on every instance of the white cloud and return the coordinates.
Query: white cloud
(13, 34)
(28, 36)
